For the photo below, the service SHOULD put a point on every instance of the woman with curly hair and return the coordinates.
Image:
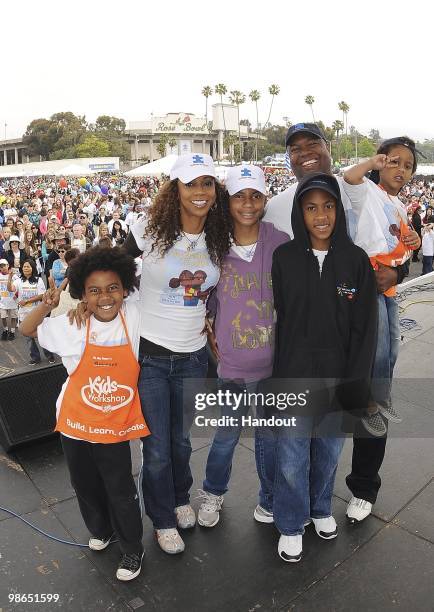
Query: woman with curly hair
(183, 241)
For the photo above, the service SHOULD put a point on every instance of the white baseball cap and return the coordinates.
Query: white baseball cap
(189, 167)
(4, 262)
(245, 176)
(14, 239)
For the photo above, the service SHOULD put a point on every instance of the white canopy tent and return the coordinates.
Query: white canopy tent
(156, 168)
(73, 170)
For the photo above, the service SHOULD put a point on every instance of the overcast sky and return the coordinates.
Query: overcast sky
(130, 58)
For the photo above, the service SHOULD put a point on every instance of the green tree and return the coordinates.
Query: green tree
(276, 134)
(374, 135)
(344, 107)
(221, 90)
(366, 148)
(254, 95)
(172, 143)
(71, 130)
(92, 146)
(162, 143)
(109, 125)
(310, 102)
(207, 92)
(274, 91)
(237, 98)
(40, 137)
(337, 127)
(228, 144)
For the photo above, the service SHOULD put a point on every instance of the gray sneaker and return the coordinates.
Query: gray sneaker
(263, 516)
(209, 511)
(389, 412)
(374, 424)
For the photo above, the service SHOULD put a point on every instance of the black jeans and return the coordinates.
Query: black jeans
(368, 454)
(101, 475)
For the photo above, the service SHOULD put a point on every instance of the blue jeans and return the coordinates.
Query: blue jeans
(427, 264)
(305, 472)
(34, 350)
(387, 349)
(219, 463)
(166, 452)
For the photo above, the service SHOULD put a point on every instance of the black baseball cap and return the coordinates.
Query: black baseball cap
(310, 128)
(319, 180)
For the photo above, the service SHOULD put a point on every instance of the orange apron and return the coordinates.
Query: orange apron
(101, 401)
(397, 257)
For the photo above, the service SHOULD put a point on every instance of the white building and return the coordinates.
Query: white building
(186, 132)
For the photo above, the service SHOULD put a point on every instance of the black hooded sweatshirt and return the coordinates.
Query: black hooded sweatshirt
(326, 323)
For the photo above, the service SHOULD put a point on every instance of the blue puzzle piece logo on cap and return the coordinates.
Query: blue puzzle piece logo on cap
(299, 126)
(197, 159)
(246, 172)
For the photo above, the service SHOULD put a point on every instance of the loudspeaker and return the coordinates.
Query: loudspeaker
(28, 405)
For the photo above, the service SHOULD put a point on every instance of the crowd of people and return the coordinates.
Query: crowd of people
(291, 292)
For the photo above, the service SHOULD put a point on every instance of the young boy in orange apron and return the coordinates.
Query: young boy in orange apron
(98, 409)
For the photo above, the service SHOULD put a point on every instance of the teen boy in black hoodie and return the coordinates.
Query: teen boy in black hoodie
(326, 302)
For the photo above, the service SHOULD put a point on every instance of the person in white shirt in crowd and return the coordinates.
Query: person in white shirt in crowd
(116, 216)
(8, 302)
(427, 248)
(29, 288)
(78, 241)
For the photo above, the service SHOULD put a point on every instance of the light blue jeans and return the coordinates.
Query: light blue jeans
(307, 459)
(219, 462)
(387, 349)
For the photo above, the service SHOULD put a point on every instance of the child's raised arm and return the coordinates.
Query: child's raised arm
(355, 175)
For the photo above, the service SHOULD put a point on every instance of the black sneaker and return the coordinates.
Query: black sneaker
(11, 336)
(5, 334)
(129, 567)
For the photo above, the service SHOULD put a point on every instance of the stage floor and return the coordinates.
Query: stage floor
(385, 563)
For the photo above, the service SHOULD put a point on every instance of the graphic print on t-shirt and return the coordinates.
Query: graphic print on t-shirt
(190, 279)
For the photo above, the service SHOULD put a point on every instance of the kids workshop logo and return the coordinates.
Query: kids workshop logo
(105, 394)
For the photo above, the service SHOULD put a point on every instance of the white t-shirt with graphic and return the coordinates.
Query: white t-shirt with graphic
(7, 298)
(27, 290)
(174, 290)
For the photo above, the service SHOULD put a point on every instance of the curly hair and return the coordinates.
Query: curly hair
(165, 222)
(101, 259)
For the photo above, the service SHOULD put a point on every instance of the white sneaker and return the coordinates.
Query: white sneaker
(185, 517)
(263, 516)
(209, 511)
(97, 544)
(170, 541)
(290, 548)
(358, 509)
(326, 527)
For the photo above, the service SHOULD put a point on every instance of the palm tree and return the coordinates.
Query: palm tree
(221, 90)
(273, 90)
(237, 98)
(207, 92)
(344, 107)
(337, 127)
(254, 95)
(310, 101)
